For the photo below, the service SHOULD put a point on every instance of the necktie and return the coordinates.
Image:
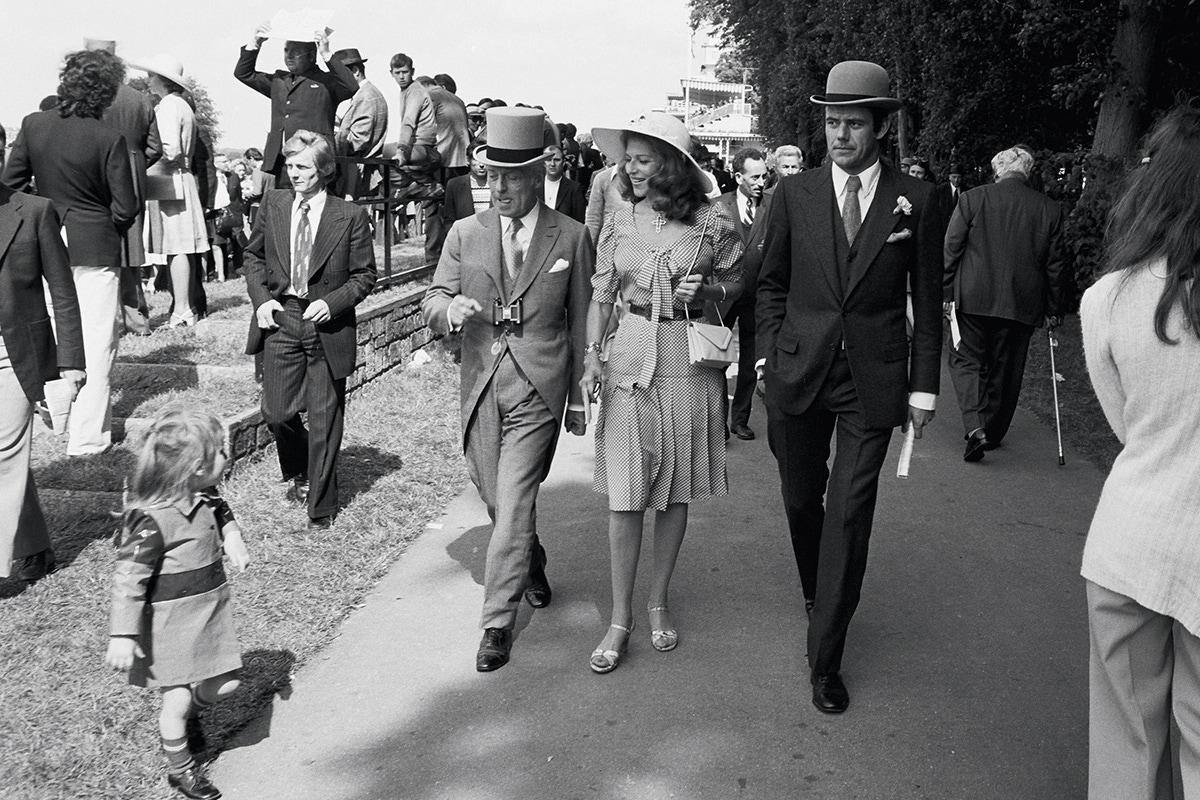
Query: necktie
(301, 251)
(749, 218)
(851, 212)
(513, 255)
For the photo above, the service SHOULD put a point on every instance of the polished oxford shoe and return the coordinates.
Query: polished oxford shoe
(977, 442)
(743, 432)
(191, 783)
(829, 693)
(298, 491)
(493, 649)
(31, 569)
(537, 591)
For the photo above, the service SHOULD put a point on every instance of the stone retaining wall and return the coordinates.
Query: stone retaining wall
(388, 334)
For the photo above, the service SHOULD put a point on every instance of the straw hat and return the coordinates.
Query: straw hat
(515, 137)
(164, 66)
(858, 83)
(656, 125)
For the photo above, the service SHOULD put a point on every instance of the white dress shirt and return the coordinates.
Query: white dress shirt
(525, 235)
(316, 206)
(552, 192)
(743, 204)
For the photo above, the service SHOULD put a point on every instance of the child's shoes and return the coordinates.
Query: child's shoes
(191, 783)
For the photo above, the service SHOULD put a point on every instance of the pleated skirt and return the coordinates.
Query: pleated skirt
(662, 443)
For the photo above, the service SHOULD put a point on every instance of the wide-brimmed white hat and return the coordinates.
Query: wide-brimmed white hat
(858, 83)
(165, 66)
(656, 125)
(515, 137)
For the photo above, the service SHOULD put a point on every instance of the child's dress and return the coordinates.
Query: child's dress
(170, 592)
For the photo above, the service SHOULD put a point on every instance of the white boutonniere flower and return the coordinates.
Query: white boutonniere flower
(902, 206)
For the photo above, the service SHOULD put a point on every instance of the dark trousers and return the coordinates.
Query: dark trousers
(296, 377)
(741, 313)
(435, 226)
(987, 369)
(829, 538)
(134, 307)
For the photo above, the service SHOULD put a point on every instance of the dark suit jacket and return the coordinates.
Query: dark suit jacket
(1004, 255)
(458, 204)
(751, 238)
(804, 314)
(31, 249)
(571, 200)
(132, 115)
(298, 102)
(82, 165)
(341, 270)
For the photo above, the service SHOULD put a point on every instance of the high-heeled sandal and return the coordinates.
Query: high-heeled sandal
(663, 640)
(605, 661)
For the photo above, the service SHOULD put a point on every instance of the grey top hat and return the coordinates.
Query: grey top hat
(515, 137)
(858, 83)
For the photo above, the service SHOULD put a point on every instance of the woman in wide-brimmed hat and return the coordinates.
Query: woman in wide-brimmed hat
(177, 226)
(660, 435)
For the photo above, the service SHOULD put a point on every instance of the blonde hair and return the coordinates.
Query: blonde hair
(180, 442)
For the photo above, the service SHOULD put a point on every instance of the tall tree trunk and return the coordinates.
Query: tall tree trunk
(1121, 111)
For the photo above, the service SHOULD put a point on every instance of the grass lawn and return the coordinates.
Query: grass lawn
(71, 728)
(1085, 430)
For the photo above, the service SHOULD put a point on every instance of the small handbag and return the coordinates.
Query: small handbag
(163, 182)
(708, 345)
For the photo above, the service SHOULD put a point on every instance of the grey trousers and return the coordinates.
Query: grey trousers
(1144, 671)
(507, 445)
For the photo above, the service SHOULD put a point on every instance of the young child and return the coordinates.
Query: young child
(172, 624)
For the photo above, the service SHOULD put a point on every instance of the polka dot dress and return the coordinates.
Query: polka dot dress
(662, 442)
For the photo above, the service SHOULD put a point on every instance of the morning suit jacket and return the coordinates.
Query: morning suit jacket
(31, 249)
(805, 314)
(82, 166)
(341, 270)
(1004, 255)
(298, 102)
(458, 203)
(571, 200)
(555, 283)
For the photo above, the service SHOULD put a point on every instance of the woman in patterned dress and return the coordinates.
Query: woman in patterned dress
(660, 435)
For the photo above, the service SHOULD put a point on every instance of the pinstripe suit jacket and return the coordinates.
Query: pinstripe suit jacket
(341, 270)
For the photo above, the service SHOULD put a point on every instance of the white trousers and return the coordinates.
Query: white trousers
(1144, 673)
(89, 429)
(22, 526)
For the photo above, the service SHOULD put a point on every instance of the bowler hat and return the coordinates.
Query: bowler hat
(656, 125)
(349, 56)
(515, 138)
(858, 83)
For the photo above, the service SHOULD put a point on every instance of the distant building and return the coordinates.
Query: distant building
(718, 113)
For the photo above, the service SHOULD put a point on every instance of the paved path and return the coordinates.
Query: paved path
(966, 661)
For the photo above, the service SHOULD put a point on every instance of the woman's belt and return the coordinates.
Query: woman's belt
(645, 312)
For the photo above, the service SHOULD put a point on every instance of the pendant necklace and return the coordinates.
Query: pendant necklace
(658, 222)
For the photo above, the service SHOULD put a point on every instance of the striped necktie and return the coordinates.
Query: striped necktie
(514, 256)
(301, 251)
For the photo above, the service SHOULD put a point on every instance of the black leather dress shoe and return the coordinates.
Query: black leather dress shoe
(298, 491)
(321, 523)
(192, 784)
(32, 569)
(493, 649)
(977, 442)
(990, 444)
(829, 693)
(743, 432)
(537, 591)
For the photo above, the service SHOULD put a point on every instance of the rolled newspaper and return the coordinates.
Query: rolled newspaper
(906, 453)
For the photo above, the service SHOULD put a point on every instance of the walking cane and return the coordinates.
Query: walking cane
(1054, 379)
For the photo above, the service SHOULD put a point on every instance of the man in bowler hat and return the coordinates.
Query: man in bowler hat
(515, 280)
(841, 244)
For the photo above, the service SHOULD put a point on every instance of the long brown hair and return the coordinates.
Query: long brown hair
(680, 192)
(1157, 216)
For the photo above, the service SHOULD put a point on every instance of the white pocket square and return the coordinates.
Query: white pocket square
(900, 236)
(560, 265)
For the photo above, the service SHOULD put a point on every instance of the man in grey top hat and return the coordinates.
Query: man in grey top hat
(515, 280)
(841, 244)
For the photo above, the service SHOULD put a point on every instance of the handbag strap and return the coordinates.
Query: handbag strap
(696, 260)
